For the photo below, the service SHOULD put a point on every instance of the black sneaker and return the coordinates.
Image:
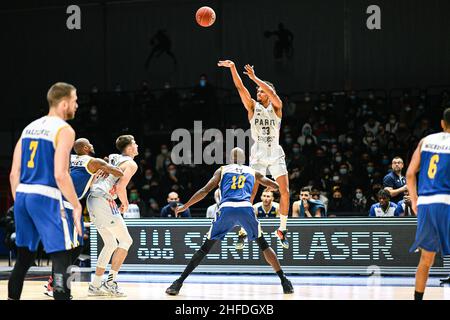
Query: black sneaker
(281, 235)
(174, 288)
(445, 280)
(240, 244)
(287, 286)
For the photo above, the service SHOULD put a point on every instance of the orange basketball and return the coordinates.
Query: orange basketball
(205, 16)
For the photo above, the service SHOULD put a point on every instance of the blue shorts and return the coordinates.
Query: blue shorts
(72, 228)
(41, 218)
(433, 228)
(229, 217)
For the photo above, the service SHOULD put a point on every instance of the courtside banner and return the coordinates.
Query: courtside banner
(317, 246)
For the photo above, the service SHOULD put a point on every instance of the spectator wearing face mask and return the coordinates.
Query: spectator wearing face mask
(297, 159)
(372, 126)
(384, 207)
(307, 138)
(135, 199)
(153, 209)
(203, 96)
(392, 124)
(368, 139)
(162, 159)
(359, 202)
(338, 205)
(149, 185)
(173, 180)
(169, 210)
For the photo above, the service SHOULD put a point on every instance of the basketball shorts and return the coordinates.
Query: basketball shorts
(433, 228)
(41, 218)
(103, 211)
(268, 162)
(69, 211)
(228, 217)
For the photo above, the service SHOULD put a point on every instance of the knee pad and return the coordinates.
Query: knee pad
(262, 243)
(106, 254)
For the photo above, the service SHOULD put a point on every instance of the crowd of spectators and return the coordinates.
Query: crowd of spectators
(340, 145)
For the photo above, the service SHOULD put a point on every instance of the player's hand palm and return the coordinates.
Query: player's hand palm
(249, 71)
(225, 63)
(179, 209)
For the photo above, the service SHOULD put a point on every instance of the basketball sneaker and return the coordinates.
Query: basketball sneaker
(281, 235)
(174, 288)
(49, 287)
(113, 288)
(240, 244)
(100, 291)
(287, 286)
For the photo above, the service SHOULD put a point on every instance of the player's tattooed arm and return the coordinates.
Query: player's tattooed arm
(14, 176)
(273, 97)
(201, 193)
(246, 98)
(97, 164)
(411, 179)
(270, 184)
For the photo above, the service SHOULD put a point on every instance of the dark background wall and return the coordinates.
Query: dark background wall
(333, 49)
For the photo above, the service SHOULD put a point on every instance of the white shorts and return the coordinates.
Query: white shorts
(103, 211)
(268, 161)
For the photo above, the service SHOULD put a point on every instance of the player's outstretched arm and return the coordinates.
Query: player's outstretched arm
(270, 184)
(64, 145)
(273, 97)
(202, 193)
(411, 179)
(97, 164)
(129, 169)
(246, 98)
(14, 176)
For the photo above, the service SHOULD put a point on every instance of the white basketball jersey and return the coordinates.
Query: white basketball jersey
(265, 129)
(106, 185)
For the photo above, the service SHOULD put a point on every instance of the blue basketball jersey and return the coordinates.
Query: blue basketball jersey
(262, 213)
(434, 175)
(236, 183)
(81, 176)
(38, 151)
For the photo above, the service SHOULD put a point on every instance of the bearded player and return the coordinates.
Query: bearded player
(266, 154)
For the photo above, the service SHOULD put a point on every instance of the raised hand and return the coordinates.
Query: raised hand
(249, 71)
(225, 63)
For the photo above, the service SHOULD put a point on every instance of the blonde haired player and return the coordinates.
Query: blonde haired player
(266, 154)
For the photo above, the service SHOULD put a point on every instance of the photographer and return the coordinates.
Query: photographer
(169, 210)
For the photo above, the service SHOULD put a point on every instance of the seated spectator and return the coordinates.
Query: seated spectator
(169, 210)
(384, 207)
(135, 199)
(214, 208)
(153, 208)
(359, 201)
(317, 195)
(404, 208)
(307, 138)
(307, 207)
(338, 204)
(163, 159)
(267, 208)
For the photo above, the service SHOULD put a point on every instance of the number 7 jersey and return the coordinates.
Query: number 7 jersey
(236, 183)
(434, 175)
(39, 140)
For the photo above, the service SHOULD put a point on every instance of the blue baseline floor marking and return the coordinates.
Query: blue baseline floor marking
(359, 281)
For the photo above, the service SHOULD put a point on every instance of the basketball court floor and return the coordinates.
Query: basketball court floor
(242, 287)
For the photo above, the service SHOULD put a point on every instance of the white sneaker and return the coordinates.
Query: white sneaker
(113, 289)
(100, 291)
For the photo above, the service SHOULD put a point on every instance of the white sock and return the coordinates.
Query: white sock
(283, 222)
(112, 275)
(97, 282)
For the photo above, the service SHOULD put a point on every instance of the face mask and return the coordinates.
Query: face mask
(374, 149)
(173, 204)
(93, 111)
(164, 151)
(349, 140)
(148, 177)
(172, 172)
(148, 154)
(308, 141)
(296, 150)
(134, 197)
(407, 109)
(385, 161)
(288, 141)
(307, 132)
(335, 178)
(202, 83)
(166, 86)
(343, 171)
(359, 195)
(370, 169)
(338, 159)
(392, 121)
(333, 150)
(307, 99)
(326, 171)
(369, 139)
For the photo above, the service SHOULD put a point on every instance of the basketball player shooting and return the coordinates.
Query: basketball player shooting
(266, 154)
